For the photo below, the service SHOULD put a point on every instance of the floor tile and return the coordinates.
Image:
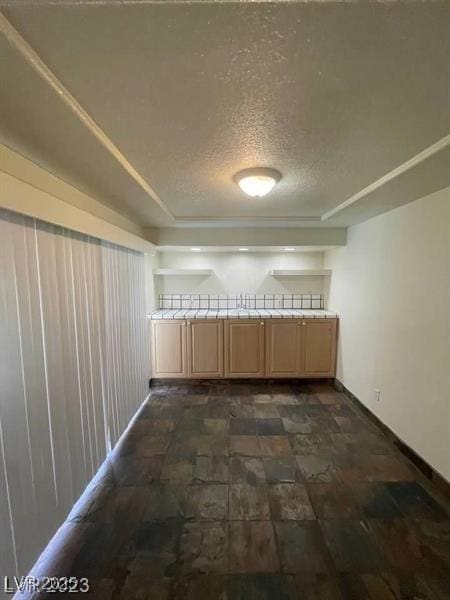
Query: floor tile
(317, 468)
(434, 536)
(249, 503)
(331, 397)
(302, 548)
(199, 586)
(324, 423)
(204, 548)
(211, 469)
(165, 500)
(189, 424)
(182, 446)
(152, 445)
(304, 426)
(257, 587)
(160, 412)
(181, 471)
(242, 411)
(252, 547)
(247, 470)
(244, 445)
(290, 502)
(144, 578)
(156, 538)
(218, 427)
(275, 445)
(352, 546)
(284, 399)
(333, 501)
(262, 398)
(414, 502)
(398, 543)
(212, 445)
(294, 412)
(243, 427)
(207, 502)
(265, 411)
(281, 470)
(159, 427)
(305, 586)
(136, 471)
(375, 467)
(375, 501)
(269, 427)
(314, 443)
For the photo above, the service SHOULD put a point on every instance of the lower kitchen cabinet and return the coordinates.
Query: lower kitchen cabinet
(169, 349)
(214, 348)
(283, 348)
(318, 347)
(205, 348)
(244, 348)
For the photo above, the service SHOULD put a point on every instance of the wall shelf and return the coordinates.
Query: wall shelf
(300, 272)
(204, 272)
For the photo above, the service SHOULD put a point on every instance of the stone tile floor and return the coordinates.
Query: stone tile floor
(256, 491)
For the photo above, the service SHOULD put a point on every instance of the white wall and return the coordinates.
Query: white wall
(73, 371)
(390, 285)
(236, 272)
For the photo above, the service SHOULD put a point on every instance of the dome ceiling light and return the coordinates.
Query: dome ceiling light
(258, 181)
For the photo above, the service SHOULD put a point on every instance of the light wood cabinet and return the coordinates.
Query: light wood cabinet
(283, 348)
(169, 349)
(213, 348)
(205, 348)
(244, 348)
(318, 347)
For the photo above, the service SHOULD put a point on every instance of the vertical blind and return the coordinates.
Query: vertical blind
(73, 371)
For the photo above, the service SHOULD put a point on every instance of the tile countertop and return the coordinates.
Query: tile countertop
(250, 313)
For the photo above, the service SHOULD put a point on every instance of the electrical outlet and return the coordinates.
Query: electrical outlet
(377, 395)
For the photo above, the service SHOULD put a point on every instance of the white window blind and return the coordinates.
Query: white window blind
(73, 371)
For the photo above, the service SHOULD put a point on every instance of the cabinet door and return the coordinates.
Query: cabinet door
(169, 349)
(205, 348)
(318, 347)
(244, 348)
(283, 347)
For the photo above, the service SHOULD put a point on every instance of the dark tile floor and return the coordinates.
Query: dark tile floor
(257, 491)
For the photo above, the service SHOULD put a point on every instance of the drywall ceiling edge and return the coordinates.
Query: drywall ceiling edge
(226, 237)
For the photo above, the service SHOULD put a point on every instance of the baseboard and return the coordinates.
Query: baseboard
(427, 470)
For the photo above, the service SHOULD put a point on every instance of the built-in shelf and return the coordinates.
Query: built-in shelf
(299, 272)
(182, 271)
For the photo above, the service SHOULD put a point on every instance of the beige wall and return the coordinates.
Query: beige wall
(236, 272)
(390, 285)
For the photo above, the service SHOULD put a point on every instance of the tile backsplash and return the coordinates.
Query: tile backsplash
(225, 302)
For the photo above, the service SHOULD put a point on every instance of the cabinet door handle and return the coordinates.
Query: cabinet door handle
(303, 323)
(262, 323)
(188, 322)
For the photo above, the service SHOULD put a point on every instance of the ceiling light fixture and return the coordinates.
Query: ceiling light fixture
(196, 249)
(243, 249)
(289, 249)
(257, 182)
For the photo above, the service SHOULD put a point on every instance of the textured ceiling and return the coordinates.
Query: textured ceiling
(333, 95)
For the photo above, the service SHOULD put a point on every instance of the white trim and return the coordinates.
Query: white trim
(406, 166)
(33, 59)
(183, 271)
(299, 272)
(24, 198)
